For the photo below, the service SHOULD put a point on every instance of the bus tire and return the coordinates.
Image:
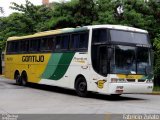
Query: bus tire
(116, 95)
(17, 78)
(24, 79)
(81, 87)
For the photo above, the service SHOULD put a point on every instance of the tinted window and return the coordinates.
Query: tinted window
(99, 35)
(99, 59)
(34, 45)
(24, 45)
(125, 60)
(142, 60)
(47, 44)
(79, 41)
(129, 37)
(13, 47)
(83, 41)
(58, 43)
(75, 41)
(65, 42)
(9, 47)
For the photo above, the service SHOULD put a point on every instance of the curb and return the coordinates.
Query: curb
(154, 93)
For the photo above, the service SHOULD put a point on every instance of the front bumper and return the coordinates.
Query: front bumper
(122, 88)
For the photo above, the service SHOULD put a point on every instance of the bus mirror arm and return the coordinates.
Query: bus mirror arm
(152, 57)
(110, 53)
(148, 70)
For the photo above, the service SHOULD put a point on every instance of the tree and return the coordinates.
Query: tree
(105, 12)
(136, 13)
(37, 15)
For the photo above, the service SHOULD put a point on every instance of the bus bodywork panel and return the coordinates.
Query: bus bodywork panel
(60, 71)
(62, 68)
(33, 64)
(52, 69)
(125, 84)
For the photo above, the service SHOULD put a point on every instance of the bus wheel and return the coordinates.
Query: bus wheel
(24, 79)
(17, 78)
(81, 87)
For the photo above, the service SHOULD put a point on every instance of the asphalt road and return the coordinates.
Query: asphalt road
(41, 99)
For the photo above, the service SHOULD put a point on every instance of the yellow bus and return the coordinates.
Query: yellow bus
(106, 59)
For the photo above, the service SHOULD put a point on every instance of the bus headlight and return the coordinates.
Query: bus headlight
(116, 80)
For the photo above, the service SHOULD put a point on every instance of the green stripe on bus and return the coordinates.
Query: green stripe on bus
(58, 65)
(52, 65)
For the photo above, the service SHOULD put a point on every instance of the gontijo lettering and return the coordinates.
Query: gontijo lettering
(33, 58)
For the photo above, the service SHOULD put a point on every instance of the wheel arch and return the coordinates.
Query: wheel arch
(16, 73)
(76, 79)
(24, 74)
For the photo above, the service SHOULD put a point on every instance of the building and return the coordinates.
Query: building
(45, 2)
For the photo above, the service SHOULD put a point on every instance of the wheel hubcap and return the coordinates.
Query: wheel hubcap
(24, 82)
(82, 86)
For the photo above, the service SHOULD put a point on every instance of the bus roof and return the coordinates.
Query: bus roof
(67, 30)
(118, 27)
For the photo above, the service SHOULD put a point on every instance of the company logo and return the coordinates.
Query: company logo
(100, 83)
(33, 58)
(80, 60)
(9, 59)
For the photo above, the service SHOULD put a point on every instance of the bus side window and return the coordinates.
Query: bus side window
(43, 44)
(75, 41)
(13, 47)
(24, 46)
(65, 42)
(83, 43)
(16, 46)
(58, 43)
(47, 44)
(9, 47)
(79, 41)
(51, 42)
(34, 45)
(99, 35)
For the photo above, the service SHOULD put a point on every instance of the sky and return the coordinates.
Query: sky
(6, 3)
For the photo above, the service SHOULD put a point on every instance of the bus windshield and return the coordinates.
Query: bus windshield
(130, 60)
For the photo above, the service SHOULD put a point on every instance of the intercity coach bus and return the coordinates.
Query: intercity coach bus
(106, 59)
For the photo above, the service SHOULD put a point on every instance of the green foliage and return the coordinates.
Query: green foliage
(31, 18)
(105, 12)
(156, 88)
(156, 45)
